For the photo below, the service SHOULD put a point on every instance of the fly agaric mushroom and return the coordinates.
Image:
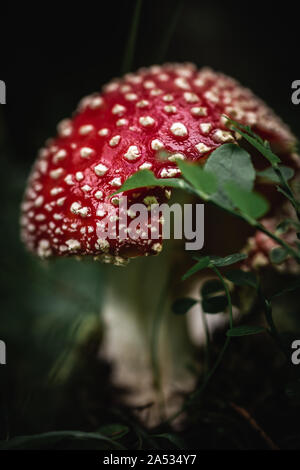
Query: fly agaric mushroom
(143, 121)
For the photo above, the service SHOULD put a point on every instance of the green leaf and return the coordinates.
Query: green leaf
(271, 175)
(245, 330)
(202, 264)
(246, 128)
(227, 260)
(49, 439)
(255, 141)
(211, 287)
(229, 162)
(202, 180)
(210, 302)
(145, 178)
(263, 149)
(241, 278)
(215, 304)
(182, 306)
(278, 255)
(250, 204)
(285, 193)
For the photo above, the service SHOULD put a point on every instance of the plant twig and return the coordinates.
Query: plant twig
(246, 415)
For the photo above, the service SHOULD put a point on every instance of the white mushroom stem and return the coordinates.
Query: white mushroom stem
(149, 346)
(136, 311)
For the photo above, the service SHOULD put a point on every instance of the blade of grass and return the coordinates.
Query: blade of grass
(131, 41)
(197, 393)
(164, 46)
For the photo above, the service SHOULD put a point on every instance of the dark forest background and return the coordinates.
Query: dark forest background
(51, 55)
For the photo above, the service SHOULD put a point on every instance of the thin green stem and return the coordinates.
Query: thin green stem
(254, 223)
(269, 317)
(227, 294)
(207, 341)
(287, 189)
(281, 242)
(263, 229)
(200, 390)
(272, 327)
(212, 370)
(273, 159)
(164, 46)
(265, 149)
(130, 46)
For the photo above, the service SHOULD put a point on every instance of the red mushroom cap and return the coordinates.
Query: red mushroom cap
(142, 121)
